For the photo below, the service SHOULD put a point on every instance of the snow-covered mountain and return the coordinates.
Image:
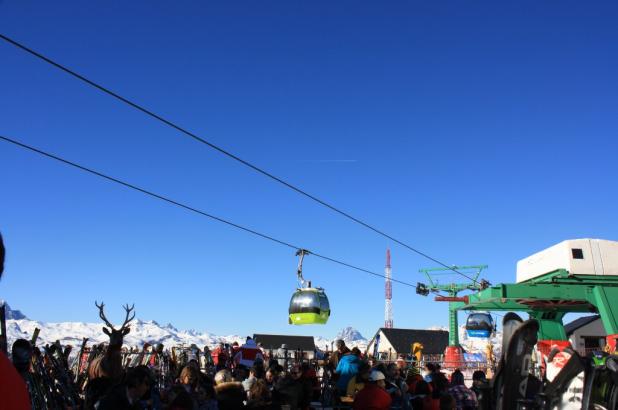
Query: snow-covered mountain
(141, 332)
(10, 313)
(72, 333)
(19, 326)
(350, 335)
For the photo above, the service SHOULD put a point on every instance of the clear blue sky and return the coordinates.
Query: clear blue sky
(479, 132)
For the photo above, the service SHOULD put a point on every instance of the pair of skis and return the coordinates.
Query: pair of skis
(517, 386)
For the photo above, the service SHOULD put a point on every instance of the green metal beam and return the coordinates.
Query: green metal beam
(549, 297)
(606, 301)
(550, 325)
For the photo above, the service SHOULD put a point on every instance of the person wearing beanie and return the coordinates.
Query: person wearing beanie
(373, 396)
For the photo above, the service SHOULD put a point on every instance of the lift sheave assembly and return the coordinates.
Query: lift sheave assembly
(308, 306)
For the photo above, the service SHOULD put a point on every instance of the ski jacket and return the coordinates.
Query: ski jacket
(346, 369)
(464, 397)
(372, 397)
(219, 356)
(354, 386)
(248, 353)
(13, 390)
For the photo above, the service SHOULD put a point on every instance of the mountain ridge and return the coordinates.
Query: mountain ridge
(142, 331)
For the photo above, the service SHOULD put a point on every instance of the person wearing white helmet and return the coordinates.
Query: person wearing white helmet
(373, 396)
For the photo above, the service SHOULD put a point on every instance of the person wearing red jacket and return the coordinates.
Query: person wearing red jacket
(13, 390)
(220, 356)
(373, 396)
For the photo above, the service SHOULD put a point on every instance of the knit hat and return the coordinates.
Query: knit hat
(376, 375)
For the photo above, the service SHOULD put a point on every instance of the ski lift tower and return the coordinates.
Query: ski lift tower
(453, 355)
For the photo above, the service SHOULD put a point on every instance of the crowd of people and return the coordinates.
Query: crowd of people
(235, 377)
(368, 385)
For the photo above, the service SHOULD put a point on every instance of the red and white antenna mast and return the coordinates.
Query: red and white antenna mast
(388, 293)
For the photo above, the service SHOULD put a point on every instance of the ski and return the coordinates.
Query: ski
(517, 364)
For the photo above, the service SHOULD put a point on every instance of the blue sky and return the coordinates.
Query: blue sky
(478, 132)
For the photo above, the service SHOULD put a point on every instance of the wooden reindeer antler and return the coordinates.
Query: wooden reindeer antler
(102, 314)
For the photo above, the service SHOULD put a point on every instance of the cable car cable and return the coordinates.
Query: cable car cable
(189, 208)
(224, 152)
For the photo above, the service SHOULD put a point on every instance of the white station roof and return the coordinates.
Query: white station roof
(577, 256)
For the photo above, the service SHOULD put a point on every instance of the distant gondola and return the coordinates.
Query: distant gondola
(479, 325)
(308, 305)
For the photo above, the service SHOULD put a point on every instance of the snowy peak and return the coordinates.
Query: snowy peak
(10, 313)
(171, 327)
(349, 335)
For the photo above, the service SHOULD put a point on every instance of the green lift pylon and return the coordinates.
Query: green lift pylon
(453, 356)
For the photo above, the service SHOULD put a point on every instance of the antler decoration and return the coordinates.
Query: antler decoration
(102, 314)
(127, 319)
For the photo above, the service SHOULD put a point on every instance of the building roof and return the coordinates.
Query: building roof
(433, 341)
(569, 328)
(305, 343)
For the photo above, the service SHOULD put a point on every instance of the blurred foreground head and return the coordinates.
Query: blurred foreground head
(1, 256)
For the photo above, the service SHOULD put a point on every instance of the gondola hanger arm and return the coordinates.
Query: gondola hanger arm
(299, 271)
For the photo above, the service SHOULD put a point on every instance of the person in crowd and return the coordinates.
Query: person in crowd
(21, 353)
(259, 368)
(208, 362)
(230, 394)
(240, 373)
(358, 381)
(189, 378)
(293, 390)
(422, 399)
(209, 399)
(126, 395)
(248, 353)
(347, 367)
(373, 396)
(401, 363)
(342, 350)
(311, 377)
(264, 352)
(260, 397)
(480, 387)
(179, 399)
(396, 386)
(194, 383)
(447, 402)
(220, 356)
(13, 390)
(439, 384)
(465, 399)
(234, 350)
(429, 371)
(250, 381)
(271, 377)
(412, 378)
(282, 356)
